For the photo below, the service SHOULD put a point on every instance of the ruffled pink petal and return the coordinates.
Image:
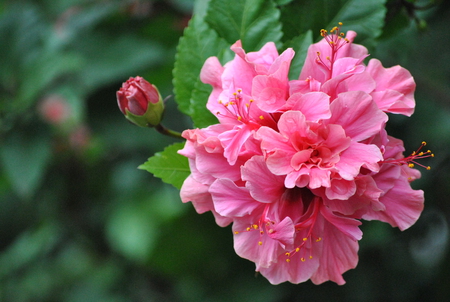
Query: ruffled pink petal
(233, 141)
(198, 194)
(397, 79)
(319, 178)
(356, 156)
(340, 189)
(403, 204)
(340, 247)
(263, 185)
(231, 200)
(261, 60)
(357, 114)
(278, 150)
(314, 105)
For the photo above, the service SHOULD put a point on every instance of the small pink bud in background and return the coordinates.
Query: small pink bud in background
(54, 109)
(140, 102)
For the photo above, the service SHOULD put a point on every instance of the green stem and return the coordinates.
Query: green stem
(163, 130)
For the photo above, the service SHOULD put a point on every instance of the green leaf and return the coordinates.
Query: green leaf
(201, 116)
(364, 17)
(254, 22)
(25, 160)
(198, 43)
(300, 45)
(168, 165)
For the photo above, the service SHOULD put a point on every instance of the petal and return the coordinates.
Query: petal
(395, 78)
(231, 200)
(313, 105)
(340, 189)
(262, 184)
(357, 114)
(356, 156)
(340, 251)
(211, 72)
(198, 194)
(403, 204)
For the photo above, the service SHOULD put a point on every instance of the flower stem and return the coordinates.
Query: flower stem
(163, 130)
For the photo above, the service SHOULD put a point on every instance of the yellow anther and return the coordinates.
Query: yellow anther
(239, 90)
(428, 168)
(260, 242)
(248, 229)
(318, 239)
(236, 232)
(340, 23)
(247, 105)
(310, 257)
(424, 143)
(432, 155)
(328, 58)
(303, 259)
(342, 34)
(261, 232)
(304, 239)
(288, 260)
(261, 117)
(411, 165)
(297, 250)
(288, 254)
(239, 118)
(255, 226)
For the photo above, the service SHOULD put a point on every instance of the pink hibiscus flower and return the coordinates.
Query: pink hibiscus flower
(295, 165)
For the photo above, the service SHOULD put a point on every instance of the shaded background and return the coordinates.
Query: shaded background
(79, 222)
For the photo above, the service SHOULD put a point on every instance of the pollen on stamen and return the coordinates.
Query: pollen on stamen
(259, 242)
(411, 160)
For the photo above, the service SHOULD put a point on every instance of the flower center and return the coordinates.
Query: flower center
(237, 108)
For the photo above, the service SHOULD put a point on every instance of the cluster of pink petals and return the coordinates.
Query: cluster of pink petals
(296, 164)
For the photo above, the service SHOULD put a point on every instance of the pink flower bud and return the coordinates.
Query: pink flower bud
(140, 102)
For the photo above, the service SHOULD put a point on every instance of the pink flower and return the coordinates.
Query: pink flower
(295, 165)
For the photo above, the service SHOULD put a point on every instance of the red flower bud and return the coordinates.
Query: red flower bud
(140, 102)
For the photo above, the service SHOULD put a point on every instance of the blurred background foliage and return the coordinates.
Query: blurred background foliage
(79, 222)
